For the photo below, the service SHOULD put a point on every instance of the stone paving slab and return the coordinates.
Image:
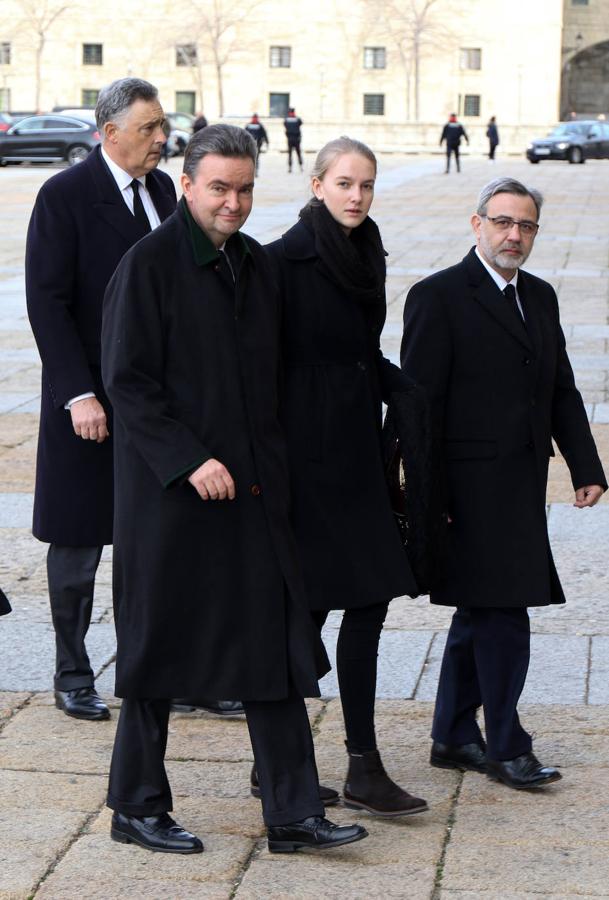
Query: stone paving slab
(33, 671)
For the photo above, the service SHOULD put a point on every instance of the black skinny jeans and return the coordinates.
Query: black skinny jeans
(356, 656)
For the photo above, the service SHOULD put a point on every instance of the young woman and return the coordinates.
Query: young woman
(331, 270)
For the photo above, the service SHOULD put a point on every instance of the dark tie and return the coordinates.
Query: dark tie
(138, 208)
(509, 292)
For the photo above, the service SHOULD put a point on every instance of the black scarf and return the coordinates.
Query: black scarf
(355, 263)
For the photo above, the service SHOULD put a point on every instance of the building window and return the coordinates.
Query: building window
(470, 58)
(5, 53)
(375, 58)
(92, 54)
(186, 55)
(579, 2)
(185, 102)
(471, 105)
(280, 57)
(374, 104)
(88, 98)
(5, 99)
(279, 105)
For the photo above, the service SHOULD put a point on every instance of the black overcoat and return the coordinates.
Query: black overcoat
(334, 378)
(209, 598)
(500, 393)
(79, 230)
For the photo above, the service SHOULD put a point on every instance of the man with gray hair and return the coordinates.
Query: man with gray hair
(84, 220)
(208, 592)
(484, 338)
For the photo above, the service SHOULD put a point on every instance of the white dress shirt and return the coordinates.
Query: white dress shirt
(123, 180)
(500, 280)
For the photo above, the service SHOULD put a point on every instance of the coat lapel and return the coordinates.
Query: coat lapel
(532, 314)
(110, 205)
(488, 295)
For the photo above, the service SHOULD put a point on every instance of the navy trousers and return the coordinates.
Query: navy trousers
(485, 663)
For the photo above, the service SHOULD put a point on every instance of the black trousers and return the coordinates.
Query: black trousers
(356, 665)
(491, 151)
(71, 578)
(294, 145)
(283, 752)
(454, 150)
(485, 664)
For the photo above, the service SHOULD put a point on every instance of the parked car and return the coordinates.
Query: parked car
(180, 133)
(5, 122)
(574, 141)
(48, 138)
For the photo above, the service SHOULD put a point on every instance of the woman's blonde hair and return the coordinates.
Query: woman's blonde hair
(338, 147)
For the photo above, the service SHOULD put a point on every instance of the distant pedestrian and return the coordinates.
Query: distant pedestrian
(452, 133)
(258, 132)
(492, 133)
(199, 123)
(293, 124)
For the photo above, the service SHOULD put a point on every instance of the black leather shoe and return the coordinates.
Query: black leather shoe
(158, 833)
(524, 771)
(224, 708)
(465, 757)
(82, 703)
(315, 833)
(328, 796)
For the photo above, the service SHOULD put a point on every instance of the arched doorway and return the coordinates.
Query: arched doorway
(585, 82)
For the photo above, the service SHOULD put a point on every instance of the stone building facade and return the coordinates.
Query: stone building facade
(390, 72)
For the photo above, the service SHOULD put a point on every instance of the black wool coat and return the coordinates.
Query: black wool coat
(209, 598)
(500, 393)
(79, 230)
(334, 380)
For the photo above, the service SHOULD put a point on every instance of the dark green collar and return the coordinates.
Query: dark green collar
(203, 249)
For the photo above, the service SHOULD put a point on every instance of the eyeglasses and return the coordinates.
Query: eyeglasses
(505, 223)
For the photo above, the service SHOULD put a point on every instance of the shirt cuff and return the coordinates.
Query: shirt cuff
(80, 397)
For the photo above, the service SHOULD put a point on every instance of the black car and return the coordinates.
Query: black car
(574, 141)
(48, 138)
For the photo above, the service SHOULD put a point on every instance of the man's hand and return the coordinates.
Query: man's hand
(588, 496)
(89, 420)
(212, 481)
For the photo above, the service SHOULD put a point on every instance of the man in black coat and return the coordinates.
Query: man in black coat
(484, 338)
(452, 133)
(84, 220)
(209, 598)
(292, 125)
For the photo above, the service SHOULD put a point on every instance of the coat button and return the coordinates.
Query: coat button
(361, 366)
(256, 490)
(530, 445)
(216, 268)
(526, 361)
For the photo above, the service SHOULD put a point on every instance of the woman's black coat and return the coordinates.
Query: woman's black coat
(334, 378)
(209, 599)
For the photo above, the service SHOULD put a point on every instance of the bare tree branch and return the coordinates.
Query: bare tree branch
(38, 18)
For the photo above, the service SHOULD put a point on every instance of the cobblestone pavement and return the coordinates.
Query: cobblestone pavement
(479, 839)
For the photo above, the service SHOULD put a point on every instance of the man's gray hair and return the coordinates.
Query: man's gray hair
(221, 140)
(507, 186)
(115, 99)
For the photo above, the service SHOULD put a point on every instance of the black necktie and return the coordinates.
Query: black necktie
(509, 292)
(138, 208)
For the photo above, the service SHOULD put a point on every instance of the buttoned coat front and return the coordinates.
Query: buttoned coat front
(209, 598)
(500, 394)
(79, 231)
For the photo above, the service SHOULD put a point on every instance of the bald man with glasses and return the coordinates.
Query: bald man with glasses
(484, 338)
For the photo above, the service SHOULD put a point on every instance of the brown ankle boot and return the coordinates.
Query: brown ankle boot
(369, 787)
